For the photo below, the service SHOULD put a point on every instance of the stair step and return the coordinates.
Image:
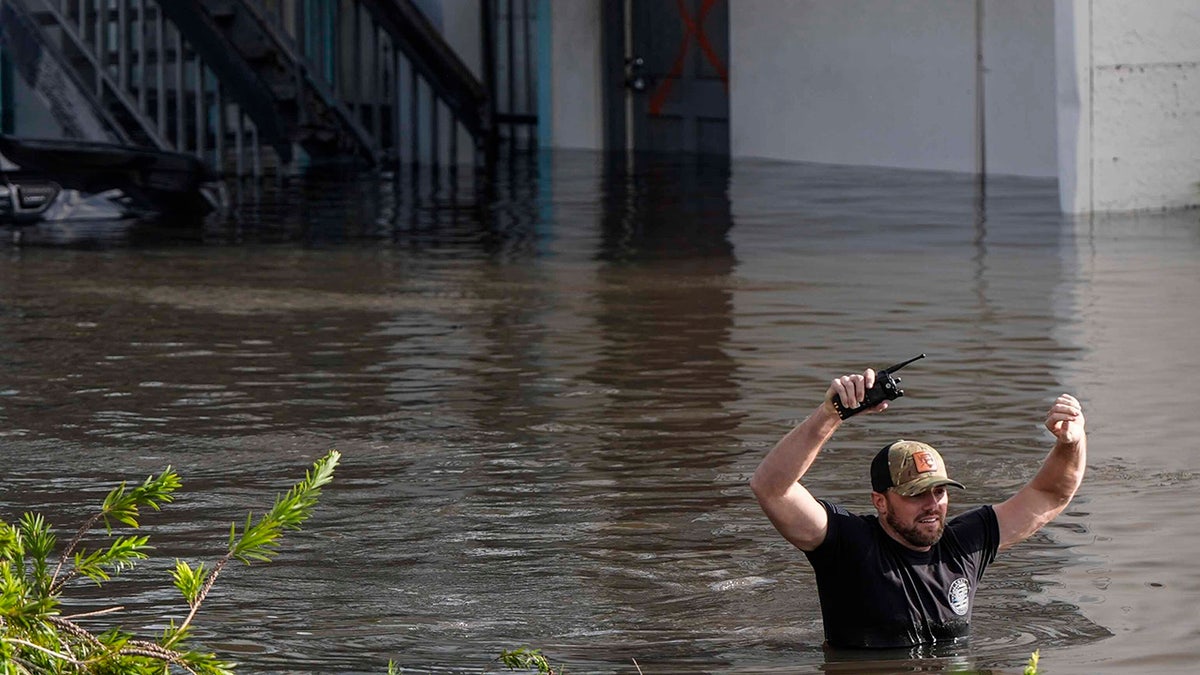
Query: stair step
(222, 11)
(111, 15)
(299, 110)
(44, 18)
(258, 51)
(284, 89)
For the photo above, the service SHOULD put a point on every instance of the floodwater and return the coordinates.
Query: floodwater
(550, 398)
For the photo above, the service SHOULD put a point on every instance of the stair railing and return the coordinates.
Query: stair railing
(401, 80)
(147, 83)
(413, 101)
(510, 72)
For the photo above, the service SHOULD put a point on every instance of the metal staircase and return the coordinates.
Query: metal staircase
(53, 56)
(259, 67)
(254, 85)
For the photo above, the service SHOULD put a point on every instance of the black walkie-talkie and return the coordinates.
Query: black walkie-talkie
(885, 388)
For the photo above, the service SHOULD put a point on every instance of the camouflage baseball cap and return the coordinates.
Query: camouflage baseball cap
(910, 468)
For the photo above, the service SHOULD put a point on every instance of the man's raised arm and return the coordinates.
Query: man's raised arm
(776, 483)
(1044, 497)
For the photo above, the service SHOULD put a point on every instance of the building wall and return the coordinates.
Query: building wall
(1129, 115)
(1102, 94)
(577, 108)
(870, 82)
(1019, 93)
(894, 83)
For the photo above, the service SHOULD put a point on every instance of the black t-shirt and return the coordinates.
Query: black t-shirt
(875, 592)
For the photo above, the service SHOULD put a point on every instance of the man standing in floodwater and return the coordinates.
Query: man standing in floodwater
(905, 576)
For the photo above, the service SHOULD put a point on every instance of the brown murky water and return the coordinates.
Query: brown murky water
(550, 403)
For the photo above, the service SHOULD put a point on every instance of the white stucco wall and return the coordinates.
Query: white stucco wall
(577, 110)
(1019, 94)
(893, 83)
(872, 82)
(1129, 123)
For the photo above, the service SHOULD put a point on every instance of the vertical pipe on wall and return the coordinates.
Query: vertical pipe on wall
(545, 100)
(980, 98)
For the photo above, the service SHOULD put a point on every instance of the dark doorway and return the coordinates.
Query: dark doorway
(667, 75)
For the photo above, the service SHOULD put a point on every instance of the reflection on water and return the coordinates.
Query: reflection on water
(550, 392)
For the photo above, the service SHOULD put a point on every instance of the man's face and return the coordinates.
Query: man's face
(918, 520)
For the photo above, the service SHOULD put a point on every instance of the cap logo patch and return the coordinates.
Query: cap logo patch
(924, 461)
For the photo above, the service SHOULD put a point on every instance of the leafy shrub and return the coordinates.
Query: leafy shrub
(34, 636)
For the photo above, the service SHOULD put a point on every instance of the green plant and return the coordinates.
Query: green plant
(1032, 668)
(36, 638)
(524, 658)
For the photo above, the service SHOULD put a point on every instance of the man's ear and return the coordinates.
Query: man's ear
(880, 502)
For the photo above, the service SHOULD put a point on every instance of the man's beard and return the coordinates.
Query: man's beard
(915, 535)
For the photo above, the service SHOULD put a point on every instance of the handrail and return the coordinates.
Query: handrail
(245, 85)
(213, 77)
(102, 76)
(286, 46)
(445, 71)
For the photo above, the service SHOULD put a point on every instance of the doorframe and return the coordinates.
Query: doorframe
(614, 45)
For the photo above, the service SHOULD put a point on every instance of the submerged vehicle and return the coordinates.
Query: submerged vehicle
(52, 181)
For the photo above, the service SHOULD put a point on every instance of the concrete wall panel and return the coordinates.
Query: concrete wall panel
(1129, 104)
(870, 82)
(1146, 136)
(1154, 31)
(1018, 50)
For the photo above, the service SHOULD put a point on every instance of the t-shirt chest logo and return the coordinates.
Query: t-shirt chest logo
(959, 596)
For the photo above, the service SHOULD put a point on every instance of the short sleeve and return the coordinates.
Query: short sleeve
(842, 524)
(977, 532)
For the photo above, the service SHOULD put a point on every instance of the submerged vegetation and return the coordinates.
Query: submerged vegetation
(524, 658)
(36, 638)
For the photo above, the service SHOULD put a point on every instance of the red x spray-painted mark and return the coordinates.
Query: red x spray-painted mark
(690, 27)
